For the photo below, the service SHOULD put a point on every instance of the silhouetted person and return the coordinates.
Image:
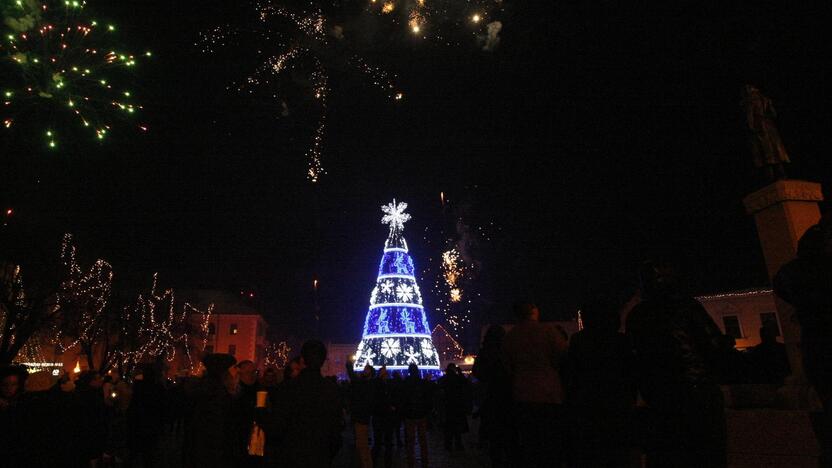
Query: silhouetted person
(769, 360)
(806, 284)
(534, 352)
(146, 417)
(309, 415)
(12, 380)
(734, 366)
(361, 398)
(676, 344)
(384, 417)
(292, 369)
(41, 416)
(600, 388)
(397, 395)
(456, 391)
(90, 418)
(491, 368)
(270, 379)
(418, 403)
(244, 409)
(209, 432)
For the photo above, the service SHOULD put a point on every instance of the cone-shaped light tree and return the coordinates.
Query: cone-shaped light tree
(396, 331)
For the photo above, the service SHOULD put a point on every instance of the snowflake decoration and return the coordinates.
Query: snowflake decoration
(394, 215)
(427, 349)
(404, 292)
(412, 355)
(390, 347)
(368, 357)
(387, 287)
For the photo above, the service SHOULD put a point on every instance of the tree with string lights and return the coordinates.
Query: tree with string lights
(155, 327)
(82, 300)
(23, 312)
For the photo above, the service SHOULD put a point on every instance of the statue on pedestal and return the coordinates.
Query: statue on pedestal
(764, 139)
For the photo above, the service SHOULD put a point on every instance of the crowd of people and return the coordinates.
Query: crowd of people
(600, 398)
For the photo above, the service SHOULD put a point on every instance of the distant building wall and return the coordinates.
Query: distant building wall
(741, 314)
(337, 356)
(241, 335)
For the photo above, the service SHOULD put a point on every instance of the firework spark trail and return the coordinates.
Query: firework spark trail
(298, 40)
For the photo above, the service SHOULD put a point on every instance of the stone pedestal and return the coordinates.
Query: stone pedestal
(783, 211)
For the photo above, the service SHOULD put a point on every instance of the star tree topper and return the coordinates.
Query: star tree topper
(394, 215)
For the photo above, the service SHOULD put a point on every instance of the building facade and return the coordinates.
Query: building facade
(741, 314)
(337, 357)
(240, 335)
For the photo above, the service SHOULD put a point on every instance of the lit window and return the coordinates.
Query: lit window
(732, 326)
(233, 329)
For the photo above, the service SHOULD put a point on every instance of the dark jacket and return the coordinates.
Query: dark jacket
(90, 421)
(209, 435)
(770, 363)
(361, 397)
(534, 351)
(244, 408)
(457, 395)
(806, 284)
(146, 415)
(383, 402)
(310, 420)
(600, 378)
(418, 398)
(677, 346)
(491, 368)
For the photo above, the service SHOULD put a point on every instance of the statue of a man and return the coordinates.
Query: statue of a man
(764, 139)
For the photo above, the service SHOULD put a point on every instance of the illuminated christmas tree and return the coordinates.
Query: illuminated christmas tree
(396, 331)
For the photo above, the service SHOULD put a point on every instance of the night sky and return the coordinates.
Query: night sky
(596, 135)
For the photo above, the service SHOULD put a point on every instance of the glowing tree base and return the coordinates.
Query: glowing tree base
(396, 331)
